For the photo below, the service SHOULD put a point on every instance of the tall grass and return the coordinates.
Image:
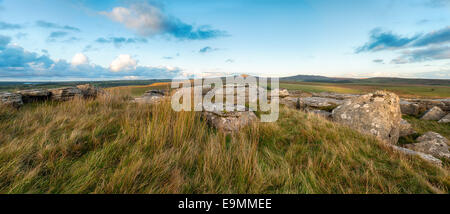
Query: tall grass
(110, 145)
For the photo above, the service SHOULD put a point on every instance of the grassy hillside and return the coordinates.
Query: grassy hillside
(111, 146)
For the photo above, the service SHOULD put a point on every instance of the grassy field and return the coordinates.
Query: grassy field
(109, 145)
(407, 91)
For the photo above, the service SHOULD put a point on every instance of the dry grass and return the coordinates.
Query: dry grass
(109, 145)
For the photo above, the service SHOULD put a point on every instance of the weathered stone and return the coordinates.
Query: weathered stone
(291, 102)
(282, 93)
(299, 93)
(445, 119)
(431, 143)
(322, 113)
(334, 95)
(34, 95)
(155, 93)
(444, 104)
(319, 102)
(426, 157)
(228, 121)
(11, 99)
(434, 113)
(151, 97)
(409, 108)
(90, 91)
(64, 94)
(426, 104)
(248, 94)
(375, 113)
(406, 128)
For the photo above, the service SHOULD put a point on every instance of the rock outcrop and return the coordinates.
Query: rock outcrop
(334, 95)
(406, 128)
(426, 104)
(434, 113)
(11, 99)
(34, 95)
(151, 97)
(433, 144)
(376, 113)
(282, 93)
(325, 114)
(89, 91)
(319, 102)
(426, 157)
(291, 102)
(64, 94)
(445, 119)
(409, 108)
(228, 121)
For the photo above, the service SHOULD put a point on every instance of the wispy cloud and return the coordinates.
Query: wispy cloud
(50, 25)
(380, 40)
(9, 26)
(207, 49)
(437, 3)
(380, 61)
(57, 34)
(418, 48)
(425, 54)
(119, 41)
(148, 19)
(436, 37)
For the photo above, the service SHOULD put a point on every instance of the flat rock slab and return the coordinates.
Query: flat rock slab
(433, 144)
(64, 94)
(335, 95)
(319, 102)
(424, 156)
(34, 95)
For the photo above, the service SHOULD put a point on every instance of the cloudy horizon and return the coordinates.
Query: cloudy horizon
(49, 40)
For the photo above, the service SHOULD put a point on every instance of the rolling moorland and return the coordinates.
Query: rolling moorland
(111, 145)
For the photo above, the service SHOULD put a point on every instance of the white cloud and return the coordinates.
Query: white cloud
(146, 19)
(123, 62)
(79, 59)
(149, 19)
(131, 77)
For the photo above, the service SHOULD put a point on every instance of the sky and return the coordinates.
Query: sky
(46, 40)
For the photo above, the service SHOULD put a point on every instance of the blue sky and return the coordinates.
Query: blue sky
(130, 39)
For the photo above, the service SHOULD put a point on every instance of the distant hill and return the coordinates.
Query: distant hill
(313, 78)
(375, 80)
(11, 86)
